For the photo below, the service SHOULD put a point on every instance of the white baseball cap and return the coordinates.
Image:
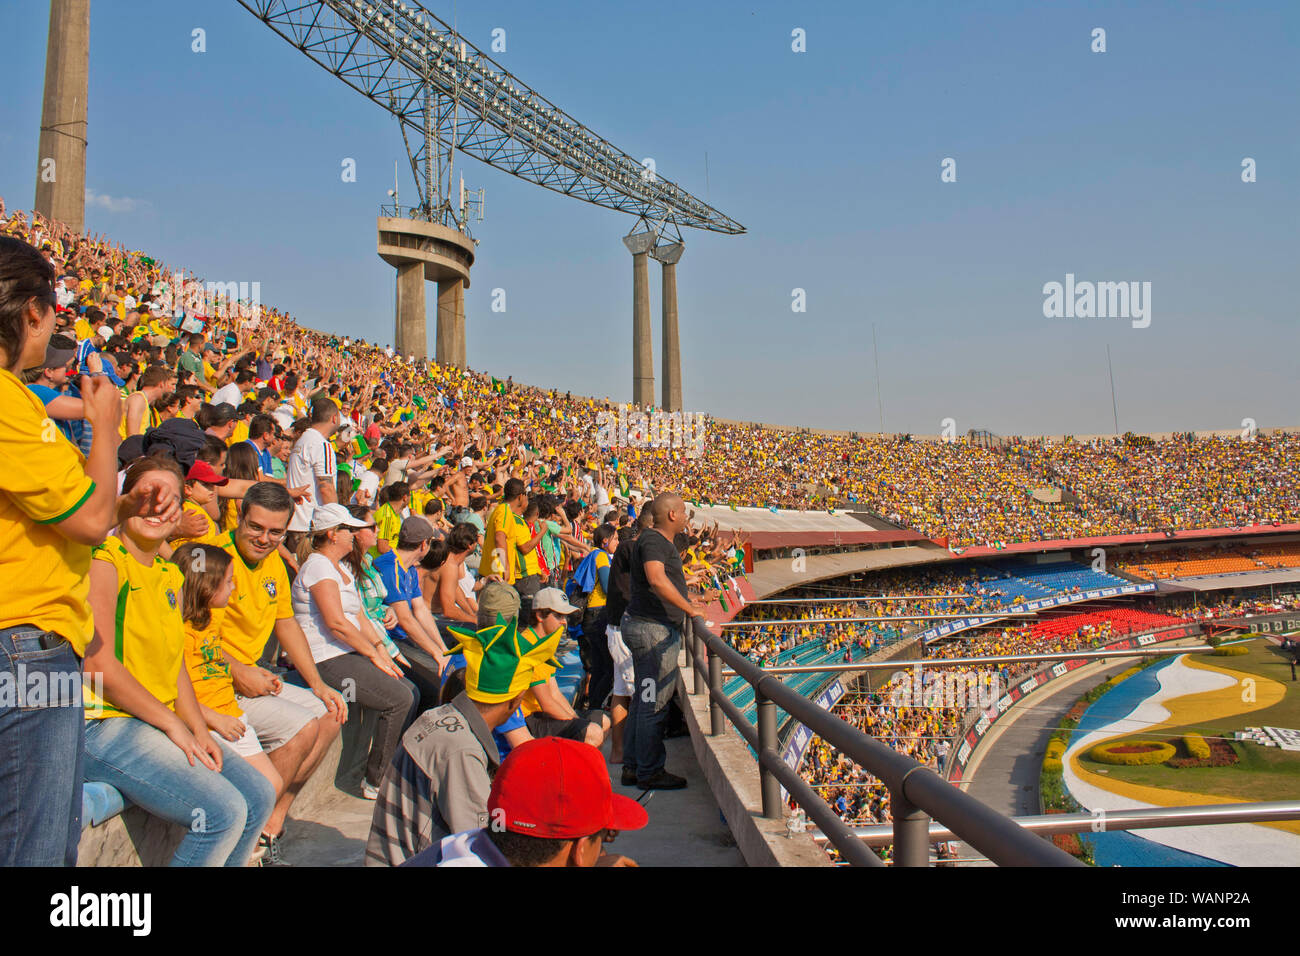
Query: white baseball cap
(552, 599)
(333, 515)
(467, 462)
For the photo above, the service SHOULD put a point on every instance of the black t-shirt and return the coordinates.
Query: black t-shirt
(620, 581)
(653, 546)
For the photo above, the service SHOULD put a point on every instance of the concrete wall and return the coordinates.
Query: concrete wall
(137, 838)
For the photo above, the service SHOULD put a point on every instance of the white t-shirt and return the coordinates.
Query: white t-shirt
(396, 470)
(369, 485)
(312, 458)
(231, 394)
(284, 415)
(320, 638)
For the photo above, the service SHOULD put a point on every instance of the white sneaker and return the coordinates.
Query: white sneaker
(368, 790)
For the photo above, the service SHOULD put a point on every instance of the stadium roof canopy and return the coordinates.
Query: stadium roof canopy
(1240, 579)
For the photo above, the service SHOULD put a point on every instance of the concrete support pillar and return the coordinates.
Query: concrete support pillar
(643, 360)
(458, 340)
(409, 335)
(668, 256)
(451, 323)
(446, 321)
(61, 164)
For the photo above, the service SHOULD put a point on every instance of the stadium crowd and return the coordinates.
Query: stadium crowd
(239, 530)
(238, 527)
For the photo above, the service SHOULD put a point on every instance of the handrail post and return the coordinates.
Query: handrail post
(688, 645)
(911, 831)
(770, 786)
(717, 721)
(693, 653)
(702, 656)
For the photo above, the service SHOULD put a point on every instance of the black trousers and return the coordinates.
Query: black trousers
(598, 665)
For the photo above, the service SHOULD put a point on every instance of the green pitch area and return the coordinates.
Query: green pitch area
(1261, 773)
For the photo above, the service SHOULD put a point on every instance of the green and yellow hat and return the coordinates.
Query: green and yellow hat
(501, 662)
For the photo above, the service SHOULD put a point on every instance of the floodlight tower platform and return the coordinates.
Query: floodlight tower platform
(426, 251)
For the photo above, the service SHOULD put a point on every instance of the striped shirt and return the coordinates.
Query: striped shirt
(437, 784)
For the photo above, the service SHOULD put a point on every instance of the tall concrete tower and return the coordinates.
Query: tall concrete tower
(643, 356)
(421, 251)
(61, 166)
(668, 254)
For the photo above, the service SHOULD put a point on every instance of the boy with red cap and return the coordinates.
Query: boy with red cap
(440, 778)
(551, 804)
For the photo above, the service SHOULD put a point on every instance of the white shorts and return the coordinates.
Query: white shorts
(278, 717)
(247, 745)
(624, 681)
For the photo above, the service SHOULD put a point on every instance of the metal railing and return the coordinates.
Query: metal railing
(906, 663)
(1049, 824)
(916, 793)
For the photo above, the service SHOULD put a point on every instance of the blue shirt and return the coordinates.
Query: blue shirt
(402, 584)
(78, 430)
(84, 348)
(263, 457)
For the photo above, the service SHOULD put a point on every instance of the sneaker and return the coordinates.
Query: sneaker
(629, 777)
(259, 854)
(369, 791)
(663, 780)
(271, 851)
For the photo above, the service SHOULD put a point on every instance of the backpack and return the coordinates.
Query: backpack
(583, 581)
(179, 437)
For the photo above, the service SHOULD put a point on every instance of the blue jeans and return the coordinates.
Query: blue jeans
(41, 737)
(654, 648)
(223, 813)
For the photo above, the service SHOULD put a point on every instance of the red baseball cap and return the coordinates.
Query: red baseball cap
(202, 471)
(559, 789)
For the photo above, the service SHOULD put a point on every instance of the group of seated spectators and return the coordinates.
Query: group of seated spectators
(240, 531)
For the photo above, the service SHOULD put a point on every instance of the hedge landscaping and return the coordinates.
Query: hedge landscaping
(1132, 753)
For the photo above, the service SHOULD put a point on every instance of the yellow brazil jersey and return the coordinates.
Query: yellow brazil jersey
(387, 525)
(491, 563)
(598, 597)
(261, 598)
(229, 514)
(239, 434)
(419, 499)
(148, 418)
(518, 535)
(147, 632)
(43, 482)
(209, 670)
(211, 536)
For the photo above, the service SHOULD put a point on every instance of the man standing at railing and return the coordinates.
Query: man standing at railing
(652, 630)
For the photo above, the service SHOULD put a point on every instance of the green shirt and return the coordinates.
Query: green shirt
(192, 363)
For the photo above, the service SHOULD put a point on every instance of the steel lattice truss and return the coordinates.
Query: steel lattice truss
(448, 91)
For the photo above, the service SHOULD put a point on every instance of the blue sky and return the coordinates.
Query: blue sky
(1115, 166)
